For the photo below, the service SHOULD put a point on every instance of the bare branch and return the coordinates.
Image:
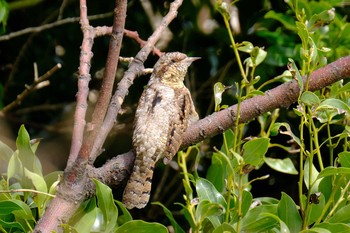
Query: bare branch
(28, 89)
(51, 25)
(280, 97)
(135, 69)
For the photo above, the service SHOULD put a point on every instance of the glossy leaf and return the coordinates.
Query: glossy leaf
(295, 73)
(245, 46)
(282, 165)
(286, 20)
(25, 152)
(334, 227)
(206, 209)
(140, 226)
(87, 221)
(344, 159)
(254, 150)
(289, 214)
(207, 191)
(310, 99)
(341, 216)
(177, 227)
(335, 103)
(126, 216)
(224, 228)
(5, 153)
(106, 205)
(310, 176)
(331, 171)
(219, 89)
(216, 173)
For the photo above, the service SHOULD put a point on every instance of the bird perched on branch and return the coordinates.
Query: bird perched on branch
(164, 112)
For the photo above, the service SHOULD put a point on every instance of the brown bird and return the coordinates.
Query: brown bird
(164, 112)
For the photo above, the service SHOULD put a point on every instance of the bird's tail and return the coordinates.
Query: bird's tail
(138, 189)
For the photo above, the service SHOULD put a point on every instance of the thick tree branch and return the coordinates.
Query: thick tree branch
(279, 97)
(108, 78)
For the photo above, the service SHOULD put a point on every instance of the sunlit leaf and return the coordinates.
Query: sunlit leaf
(344, 159)
(282, 165)
(341, 216)
(287, 21)
(224, 228)
(310, 99)
(254, 150)
(289, 214)
(335, 103)
(106, 205)
(310, 176)
(177, 227)
(140, 226)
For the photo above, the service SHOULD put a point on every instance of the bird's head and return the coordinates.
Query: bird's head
(171, 68)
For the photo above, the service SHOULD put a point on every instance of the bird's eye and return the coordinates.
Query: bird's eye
(173, 60)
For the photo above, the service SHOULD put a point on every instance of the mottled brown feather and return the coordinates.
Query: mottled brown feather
(164, 112)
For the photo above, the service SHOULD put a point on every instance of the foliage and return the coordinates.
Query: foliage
(308, 35)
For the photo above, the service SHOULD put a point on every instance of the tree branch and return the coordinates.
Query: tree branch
(279, 97)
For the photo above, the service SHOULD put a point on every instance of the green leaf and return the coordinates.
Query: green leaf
(287, 21)
(224, 228)
(310, 99)
(25, 152)
(126, 216)
(335, 103)
(334, 227)
(140, 226)
(106, 205)
(219, 88)
(282, 165)
(345, 88)
(257, 56)
(255, 221)
(247, 198)
(22, 209)
(207, 191)
(5, 153)
(292, 67)
(331, 171)
(4, 13)
(254, 150)
(206, 209)
(177, 227)
(312, 178)
(86, 222)
(289, 214)
(341, 216)
(344, 159)
(216, 173)
(245, 46)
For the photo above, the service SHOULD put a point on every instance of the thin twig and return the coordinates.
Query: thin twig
(52, 25)
(28, 89)
(135, 69)
(26, 190)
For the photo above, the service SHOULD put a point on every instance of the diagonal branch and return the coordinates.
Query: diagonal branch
(135, 69)
(279, 97)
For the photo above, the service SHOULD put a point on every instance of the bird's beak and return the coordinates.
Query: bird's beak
(192, 59)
